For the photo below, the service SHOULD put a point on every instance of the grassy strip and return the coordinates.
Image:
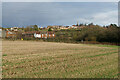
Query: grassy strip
(101, 45)
(102, 54)
(24, 61)
(4, 54)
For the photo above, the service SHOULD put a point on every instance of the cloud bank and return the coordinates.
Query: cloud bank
(58, 13)
(103, 18)
(60, 0)
(0, 14)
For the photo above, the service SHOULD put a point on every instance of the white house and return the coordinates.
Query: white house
(37, 35)
(14, 29)
(43, 34)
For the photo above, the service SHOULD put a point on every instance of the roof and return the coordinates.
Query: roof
(38, 32)
(31, 32)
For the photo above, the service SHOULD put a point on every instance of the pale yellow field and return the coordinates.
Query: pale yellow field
(34, 59)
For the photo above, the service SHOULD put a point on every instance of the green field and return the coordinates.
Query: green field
(34, 59)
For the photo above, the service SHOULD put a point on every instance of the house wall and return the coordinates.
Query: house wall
(44, 35)
(38, 34)
(10, 34)
(28, 35)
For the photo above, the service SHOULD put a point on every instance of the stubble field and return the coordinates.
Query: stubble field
(34, 59)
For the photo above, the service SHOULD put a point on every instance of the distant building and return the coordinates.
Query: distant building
(14, 29)
(74, 27)
(63, 27)
(41, 28)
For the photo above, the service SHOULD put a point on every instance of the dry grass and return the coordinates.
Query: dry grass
(31, 59)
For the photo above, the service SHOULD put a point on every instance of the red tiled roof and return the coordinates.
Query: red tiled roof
(37, 32)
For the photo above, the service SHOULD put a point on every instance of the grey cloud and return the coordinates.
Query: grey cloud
(43, 14)
(0, 14)
(60, 0)
(104, 18)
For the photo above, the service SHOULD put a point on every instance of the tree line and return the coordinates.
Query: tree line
(90, 32)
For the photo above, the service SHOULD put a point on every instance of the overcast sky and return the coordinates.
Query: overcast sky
(58, 13)
(0, 14)
(60, 0)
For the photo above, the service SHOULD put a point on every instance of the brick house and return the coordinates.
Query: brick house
(10, 34)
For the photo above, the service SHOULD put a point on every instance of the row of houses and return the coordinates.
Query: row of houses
(38, 34)
(30, 34)
(65, 27)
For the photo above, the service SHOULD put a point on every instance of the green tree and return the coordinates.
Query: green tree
(35, 28)
(49, 29)
(28, 28)
(19, 34)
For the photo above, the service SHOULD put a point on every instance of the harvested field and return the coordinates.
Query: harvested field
(34, 59)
